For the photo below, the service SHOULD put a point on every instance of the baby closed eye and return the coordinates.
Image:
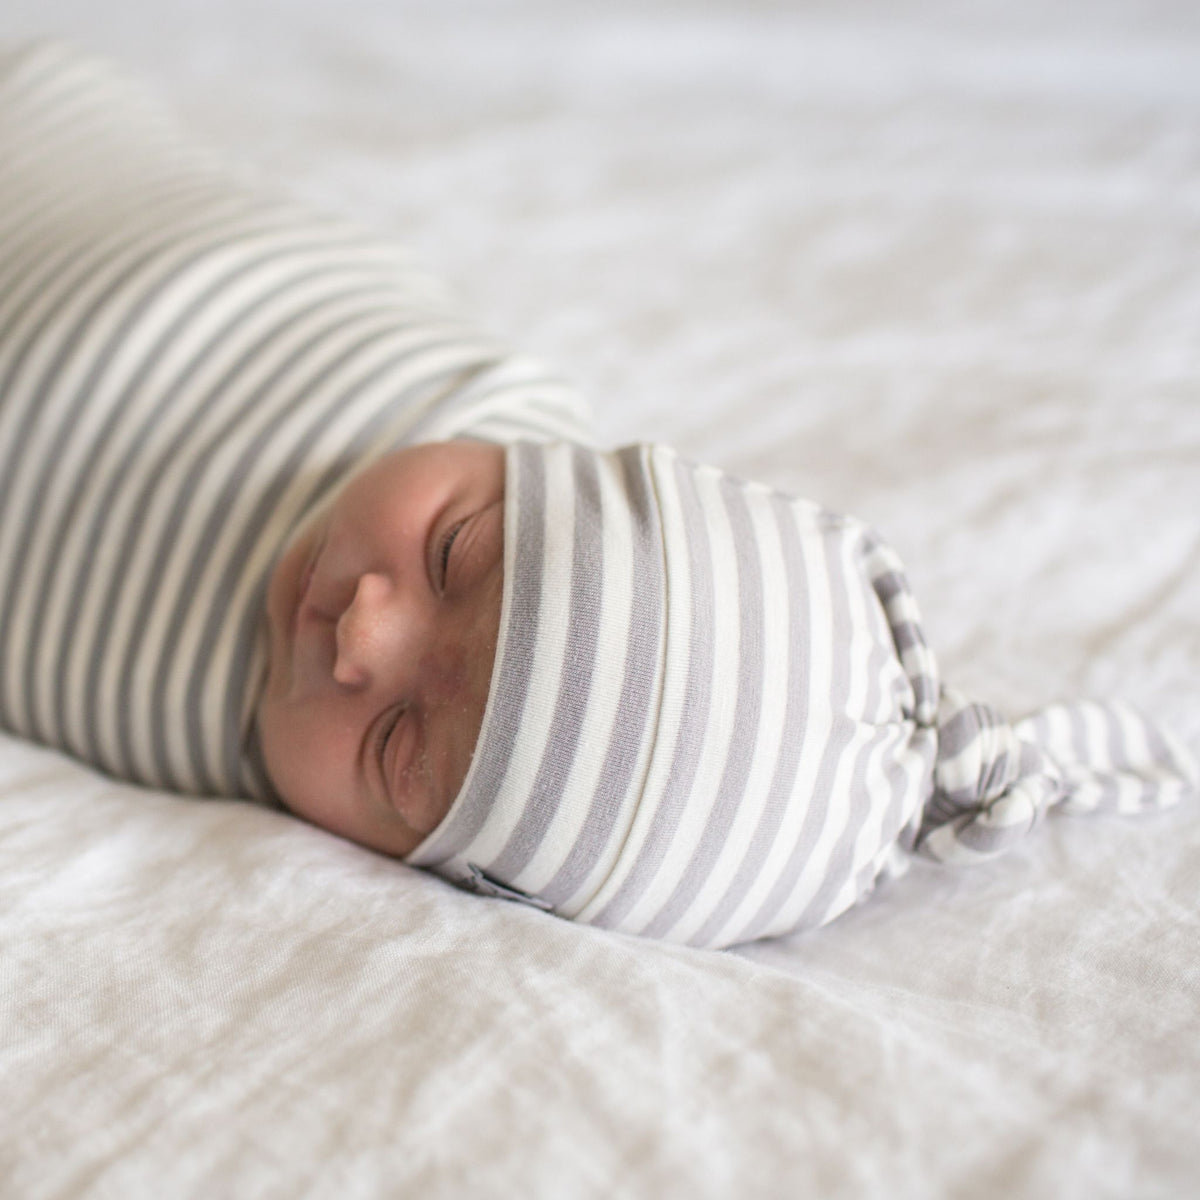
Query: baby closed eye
(386, 739)
(447, 546)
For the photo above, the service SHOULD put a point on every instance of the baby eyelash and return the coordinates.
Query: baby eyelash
(447, 542)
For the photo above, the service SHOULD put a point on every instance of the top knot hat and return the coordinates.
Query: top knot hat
(714, 717)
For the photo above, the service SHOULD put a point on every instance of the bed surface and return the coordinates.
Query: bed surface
(935, 264)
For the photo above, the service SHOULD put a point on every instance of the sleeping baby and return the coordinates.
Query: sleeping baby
(277, 523)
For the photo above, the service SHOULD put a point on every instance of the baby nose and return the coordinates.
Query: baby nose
(365, 632)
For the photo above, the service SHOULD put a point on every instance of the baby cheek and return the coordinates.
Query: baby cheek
(448, 677)
(309, 755)
(456, 670)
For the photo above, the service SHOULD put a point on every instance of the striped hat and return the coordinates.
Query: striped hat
(713, 715)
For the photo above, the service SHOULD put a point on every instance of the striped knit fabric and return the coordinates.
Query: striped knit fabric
(995, 781)
(714, 716)
(187, 367)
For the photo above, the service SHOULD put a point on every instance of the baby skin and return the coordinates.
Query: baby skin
(383, 614)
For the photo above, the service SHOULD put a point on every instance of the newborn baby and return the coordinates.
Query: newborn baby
(276, 522)
(383, 613)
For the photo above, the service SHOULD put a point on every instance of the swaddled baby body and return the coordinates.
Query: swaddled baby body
(275, 522)
(189, 370)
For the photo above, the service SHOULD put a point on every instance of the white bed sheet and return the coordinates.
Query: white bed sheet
(933, 263)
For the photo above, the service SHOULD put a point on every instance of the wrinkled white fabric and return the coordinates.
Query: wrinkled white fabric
(932, 265)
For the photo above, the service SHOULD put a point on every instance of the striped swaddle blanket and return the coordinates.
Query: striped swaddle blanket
(187, 367)
(714, 716)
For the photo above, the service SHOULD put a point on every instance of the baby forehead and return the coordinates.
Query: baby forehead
(460, 460)
(406, 491)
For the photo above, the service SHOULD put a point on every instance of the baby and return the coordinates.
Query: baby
(276, 523)
(383, 614)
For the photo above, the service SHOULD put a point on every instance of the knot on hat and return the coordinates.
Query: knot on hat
(990, 786)
(994, 781)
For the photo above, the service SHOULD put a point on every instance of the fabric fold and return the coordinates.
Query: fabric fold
(995, 781)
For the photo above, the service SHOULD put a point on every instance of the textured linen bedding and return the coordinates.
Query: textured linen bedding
(933, 264)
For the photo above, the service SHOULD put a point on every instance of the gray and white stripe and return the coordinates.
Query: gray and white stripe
(714, 716)
(698, 729)
(187, 367)
(996, 781)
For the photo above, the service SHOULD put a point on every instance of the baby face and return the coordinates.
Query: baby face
(383, 614)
